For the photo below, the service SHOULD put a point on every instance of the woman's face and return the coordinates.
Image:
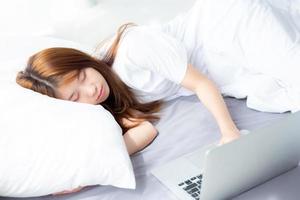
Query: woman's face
(88, 87)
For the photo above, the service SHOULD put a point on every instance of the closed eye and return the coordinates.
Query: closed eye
(74, 97)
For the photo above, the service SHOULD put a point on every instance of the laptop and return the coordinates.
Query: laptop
(217, 172)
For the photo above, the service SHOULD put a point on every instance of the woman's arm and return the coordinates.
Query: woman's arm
(210, 96)
(139, 136)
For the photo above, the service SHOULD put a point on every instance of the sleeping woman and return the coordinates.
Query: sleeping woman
(138, 69)
(131, 89)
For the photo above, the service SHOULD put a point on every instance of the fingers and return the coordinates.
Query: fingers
(68, 191)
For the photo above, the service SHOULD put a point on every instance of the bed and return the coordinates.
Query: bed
(186, 125)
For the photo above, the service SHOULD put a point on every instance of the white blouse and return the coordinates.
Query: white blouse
(152, 63)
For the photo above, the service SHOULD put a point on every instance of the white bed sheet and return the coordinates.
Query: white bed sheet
(185, 126)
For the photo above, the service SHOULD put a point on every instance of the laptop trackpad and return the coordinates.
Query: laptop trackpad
(197, 157)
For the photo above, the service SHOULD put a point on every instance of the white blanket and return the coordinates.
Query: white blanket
(250, 48)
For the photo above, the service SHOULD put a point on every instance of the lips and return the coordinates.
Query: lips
(100, 94)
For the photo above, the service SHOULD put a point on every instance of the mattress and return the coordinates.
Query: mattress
(186, 125)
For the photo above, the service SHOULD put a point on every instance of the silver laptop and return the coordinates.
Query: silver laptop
(222, 172)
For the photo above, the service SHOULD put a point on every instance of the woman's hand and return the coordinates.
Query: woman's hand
(139, 137)
(68, 191)
(228, 136)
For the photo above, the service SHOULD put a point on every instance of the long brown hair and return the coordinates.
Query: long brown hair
(53, 67)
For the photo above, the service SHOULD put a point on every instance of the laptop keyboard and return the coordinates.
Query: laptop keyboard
(192, 186)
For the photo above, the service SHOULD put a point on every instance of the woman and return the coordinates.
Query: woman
(73, 75)
(135, 72)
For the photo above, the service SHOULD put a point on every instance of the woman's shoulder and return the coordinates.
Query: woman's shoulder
(142, 33)
(133, 35)
(145, 40)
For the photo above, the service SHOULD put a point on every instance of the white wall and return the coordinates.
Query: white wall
(37, 16)
(85, 21)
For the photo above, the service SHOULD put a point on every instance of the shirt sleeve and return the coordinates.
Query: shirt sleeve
(158, 52)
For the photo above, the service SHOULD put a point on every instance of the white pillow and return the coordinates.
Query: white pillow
(50, 145)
